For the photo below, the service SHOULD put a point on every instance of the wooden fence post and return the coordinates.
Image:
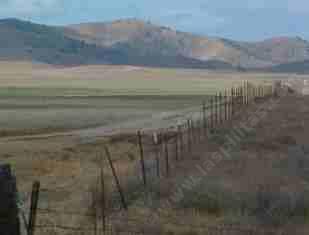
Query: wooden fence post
(9, 221)
(232, 101)
(193, 131)
(225, 106)
(252, 93)
(216, 110)
(122, 198)
(182, 147)
(176, 147)
(196, 131)
(242, 95)
(156, 143)
(247, 92)
(204, 120)
(189, 136)
(200, 130)
(140, 143)
(229, 108)
(33, 207)
(166, 155)
(221, 108)
(211, 113)
(103, 197)
(191, 124)
(239, 96)
(94, 207)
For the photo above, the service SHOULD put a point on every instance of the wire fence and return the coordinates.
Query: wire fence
(159, 153)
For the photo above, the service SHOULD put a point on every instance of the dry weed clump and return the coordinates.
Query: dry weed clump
(266, 205)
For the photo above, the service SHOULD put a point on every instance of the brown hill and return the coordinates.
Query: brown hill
(141, 43)
(21, 40)
(147, 38)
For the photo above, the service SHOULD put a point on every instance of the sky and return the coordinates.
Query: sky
(247, 20)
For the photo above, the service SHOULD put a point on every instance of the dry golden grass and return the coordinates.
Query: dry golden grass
(119, 80)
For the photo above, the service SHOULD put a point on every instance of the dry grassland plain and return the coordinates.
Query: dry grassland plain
(38, 98)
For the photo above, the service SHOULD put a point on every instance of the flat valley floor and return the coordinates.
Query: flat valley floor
(64, 154)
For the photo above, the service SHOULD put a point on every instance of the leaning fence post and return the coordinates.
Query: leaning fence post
(123, 201)
(140, 143)
(33, 207)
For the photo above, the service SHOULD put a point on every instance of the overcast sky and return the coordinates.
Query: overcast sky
(235, 19)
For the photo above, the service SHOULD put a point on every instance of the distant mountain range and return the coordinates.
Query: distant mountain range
(141, 43)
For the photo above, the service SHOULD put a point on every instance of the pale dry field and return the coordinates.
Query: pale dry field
(24, 79)
(40, 98)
